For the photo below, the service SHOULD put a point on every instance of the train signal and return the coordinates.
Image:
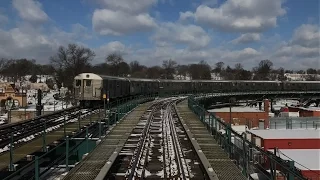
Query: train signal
(105, 96)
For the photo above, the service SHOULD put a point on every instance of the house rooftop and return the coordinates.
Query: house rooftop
(305, 159)
(287, 133)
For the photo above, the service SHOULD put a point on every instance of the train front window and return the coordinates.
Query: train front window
(78, 82)
(88, 82)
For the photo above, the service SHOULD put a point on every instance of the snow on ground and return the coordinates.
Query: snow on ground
(50, 104)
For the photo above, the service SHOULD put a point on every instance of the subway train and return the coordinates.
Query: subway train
(90, 88)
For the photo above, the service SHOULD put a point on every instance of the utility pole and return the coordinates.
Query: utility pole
(39, 105)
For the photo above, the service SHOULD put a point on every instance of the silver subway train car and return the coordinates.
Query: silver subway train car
(89, 87)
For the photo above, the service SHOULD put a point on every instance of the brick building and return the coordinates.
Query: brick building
(244, 115)
(9, 94)
(306, 112)
(301, 146)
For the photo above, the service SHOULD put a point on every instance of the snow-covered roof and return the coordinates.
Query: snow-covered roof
(305, 159)
(239, 128)
(287, 133)
(236, 109)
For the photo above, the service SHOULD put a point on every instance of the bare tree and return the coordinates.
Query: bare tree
(311, 71)
(71, 61)
(137, 70)
(169, 67)
(154, 72)
(219, 66)
(114, 59)
(280, 74)
(117, 65)
(182, 70)
(200, 71)
(124, 69)
(299, 71)
(102, 68)
(263, 70)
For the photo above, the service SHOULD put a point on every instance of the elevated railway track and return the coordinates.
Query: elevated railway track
(175, 131)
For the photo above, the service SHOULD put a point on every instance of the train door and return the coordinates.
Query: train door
(87, 89)
(97, 88)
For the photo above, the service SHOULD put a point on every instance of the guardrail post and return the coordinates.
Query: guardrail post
(90, 118)
(203, 114)
(99, 113)
(36, 168)
(229, 138)
(79, 118)
(64, 124)
(87, 140)
(244, 154)
(291, 166)
(209, 123)
(44, 138)
(117, 114)
(67, 153)
(99, 128)
(11, 152)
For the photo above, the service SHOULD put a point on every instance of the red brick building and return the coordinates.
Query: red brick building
(245, 115)
(302, 146)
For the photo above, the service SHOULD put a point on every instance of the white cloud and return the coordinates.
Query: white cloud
(122, 17)
(129, 6)
(186, 16)
(241, 15)
(3, 19)
(110, 22)
(30, 10)
(28, 41)
(191, 35)
(154, 56)
(307, 35)
(242, 55)
(111, 47)
(247, 38)
(303, 44)
(80, 31)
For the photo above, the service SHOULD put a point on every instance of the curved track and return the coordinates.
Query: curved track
(158, 148)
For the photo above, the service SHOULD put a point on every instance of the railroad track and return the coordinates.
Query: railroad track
(26, 131)
(158, 148)
(102, 155)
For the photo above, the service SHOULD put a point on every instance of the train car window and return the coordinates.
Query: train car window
(88, 82)
(78, 82)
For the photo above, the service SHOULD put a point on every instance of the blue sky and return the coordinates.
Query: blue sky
(150, 31)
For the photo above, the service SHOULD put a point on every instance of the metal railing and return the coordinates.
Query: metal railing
(116, 111)
(249, 157)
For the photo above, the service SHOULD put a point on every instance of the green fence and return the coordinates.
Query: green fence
(71, 148)
(246, 155)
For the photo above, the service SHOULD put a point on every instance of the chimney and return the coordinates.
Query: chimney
(266, 105)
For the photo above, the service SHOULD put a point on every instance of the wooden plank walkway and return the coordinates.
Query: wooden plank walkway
(90, 166)
(219, 160)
